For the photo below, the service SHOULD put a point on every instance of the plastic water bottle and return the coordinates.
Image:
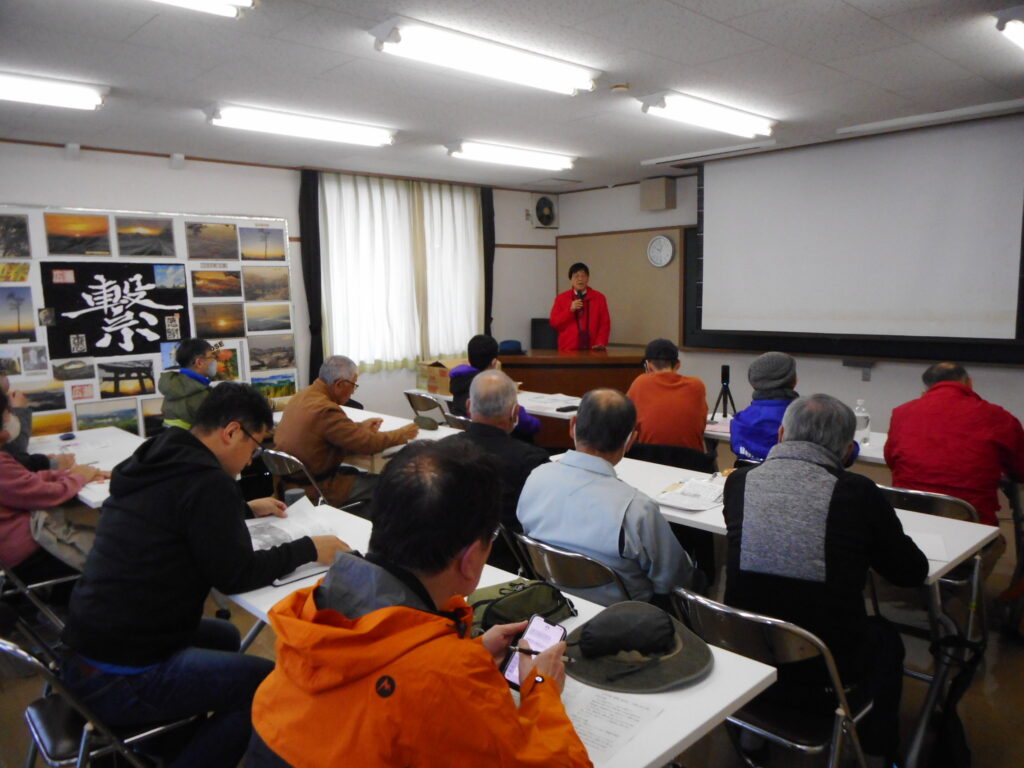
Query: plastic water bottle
(863, 431)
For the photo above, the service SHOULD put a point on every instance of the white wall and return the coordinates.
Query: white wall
(41, 176)
(892, 382)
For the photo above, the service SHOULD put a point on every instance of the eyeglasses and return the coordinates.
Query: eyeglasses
(349, 381)
(258, 449)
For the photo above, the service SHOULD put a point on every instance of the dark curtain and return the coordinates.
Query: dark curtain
(487, 216)
(309, 225)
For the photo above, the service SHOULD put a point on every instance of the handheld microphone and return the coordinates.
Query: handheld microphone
(579, 295)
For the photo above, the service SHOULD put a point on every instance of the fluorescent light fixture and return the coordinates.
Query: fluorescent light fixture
(704, 153)
(303, 126)
(946, 116)
(1011, 23)
(52, 93)
(446, 48)
(227, 8)
(706, 114)
(495, 153)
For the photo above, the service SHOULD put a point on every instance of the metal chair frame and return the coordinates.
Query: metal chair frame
(282, 464)
(772, 641)
(566, 569)
(457, 422)
(19, 587)
(422, 404)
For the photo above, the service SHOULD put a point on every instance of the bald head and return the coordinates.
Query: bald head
(945, 371)
(492, 400)
(604, 422)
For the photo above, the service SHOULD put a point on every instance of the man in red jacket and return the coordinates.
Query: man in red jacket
(580, 315)
(952, 441)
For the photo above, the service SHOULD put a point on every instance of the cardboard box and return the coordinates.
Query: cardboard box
(433, 376)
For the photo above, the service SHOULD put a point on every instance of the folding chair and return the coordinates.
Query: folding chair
(565, 569)
(776, 642)
(457, 422)
(64, 730)
(425, 404)
(283, 464)
(11, 584)
(675, 456)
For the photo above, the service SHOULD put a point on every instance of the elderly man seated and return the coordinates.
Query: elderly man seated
(493, 408)
(579, 503)
(802, 534)
(317, 431)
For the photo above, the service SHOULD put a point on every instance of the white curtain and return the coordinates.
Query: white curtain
(402, 269)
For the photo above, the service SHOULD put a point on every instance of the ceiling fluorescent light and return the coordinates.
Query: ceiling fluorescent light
(456, 50)
(706, 114)
(495, 153)
(946, 116)
(1011, 23)
(227, 8)
(705, 153)
(303, 126)
(53, 93)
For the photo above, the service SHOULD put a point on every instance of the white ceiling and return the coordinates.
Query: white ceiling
(813, 65)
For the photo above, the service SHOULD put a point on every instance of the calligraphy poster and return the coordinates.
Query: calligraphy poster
(103, 309)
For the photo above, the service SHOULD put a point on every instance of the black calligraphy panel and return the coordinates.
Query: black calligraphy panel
(103, 309)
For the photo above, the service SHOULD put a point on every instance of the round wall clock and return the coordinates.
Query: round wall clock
(660, 251)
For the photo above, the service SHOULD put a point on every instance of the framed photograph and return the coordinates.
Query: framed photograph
(14, 272)
(10, 361)
(271, 351)
(266, 284)
(126, 378)
(71, 370)
(14, 237)
(152, 415)
(44, 395)
(76, 234)
(35, 359)
(216, 284)
(16, 314)
(212, 242)
(123, 414)
(262, 244)
(144, 237)
(228, 358)
(268, 317)
(56, 423)
(83, 391)
(219, 321)
(277, 384)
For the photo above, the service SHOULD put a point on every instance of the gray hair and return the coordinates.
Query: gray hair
(492, 394)
(337, 367)
(820, 419)
(604, 420)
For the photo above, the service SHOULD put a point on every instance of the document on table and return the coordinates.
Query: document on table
(303, 520)
(541, 400)
(606, 722)
(693, 495)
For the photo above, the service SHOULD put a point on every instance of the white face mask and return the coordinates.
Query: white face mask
(211, 369)
(12, 425)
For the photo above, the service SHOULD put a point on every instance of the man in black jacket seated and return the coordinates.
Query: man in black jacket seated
(802, 534)
(172, 528)
(492, 407)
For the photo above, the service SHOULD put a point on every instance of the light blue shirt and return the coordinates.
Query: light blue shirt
(580, 504)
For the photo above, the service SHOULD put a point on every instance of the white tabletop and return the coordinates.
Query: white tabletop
(945, 542)
(683, 716)
(103, 448)
(870, 453)
(536, 403)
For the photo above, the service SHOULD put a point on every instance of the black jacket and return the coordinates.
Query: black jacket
(172, 528)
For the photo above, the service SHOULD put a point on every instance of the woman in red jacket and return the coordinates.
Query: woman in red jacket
(580, 315)
(21, 492)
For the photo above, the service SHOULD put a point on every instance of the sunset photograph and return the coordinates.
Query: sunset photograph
(219, 321)
(126, 378)
(271, 351)
(216, 284)
(17, 318)
(268, 317)
(144, 237)
(152, 415)
(262, 243)
(44, 395)
(75, 234)
(213, 242)
(51, 423)
(266, 284)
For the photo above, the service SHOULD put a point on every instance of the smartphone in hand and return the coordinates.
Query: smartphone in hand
(540, 635)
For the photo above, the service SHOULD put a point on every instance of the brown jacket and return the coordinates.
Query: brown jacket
(316, 430)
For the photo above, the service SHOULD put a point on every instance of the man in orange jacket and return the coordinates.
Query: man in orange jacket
(375, 666)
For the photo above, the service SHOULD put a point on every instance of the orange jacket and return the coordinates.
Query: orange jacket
(399, 687)
(671, 409)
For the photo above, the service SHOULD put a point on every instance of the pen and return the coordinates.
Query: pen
(532, 652)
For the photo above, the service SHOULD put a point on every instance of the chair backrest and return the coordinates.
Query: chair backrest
(281, 464)
(674, 456)
(458, 422)
(566, 569)
(422, 404)
(740, 463)
(930, 503)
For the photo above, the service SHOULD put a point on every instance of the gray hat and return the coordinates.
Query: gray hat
(635, 647)
(772, 370)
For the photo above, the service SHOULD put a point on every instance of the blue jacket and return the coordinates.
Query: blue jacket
(754, 430)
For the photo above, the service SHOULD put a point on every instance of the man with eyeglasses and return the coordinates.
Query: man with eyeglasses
(172, 529)
(318, 432)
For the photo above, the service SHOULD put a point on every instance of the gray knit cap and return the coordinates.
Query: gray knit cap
(772, 370)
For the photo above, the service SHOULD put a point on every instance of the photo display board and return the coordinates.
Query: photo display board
(94, 303)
